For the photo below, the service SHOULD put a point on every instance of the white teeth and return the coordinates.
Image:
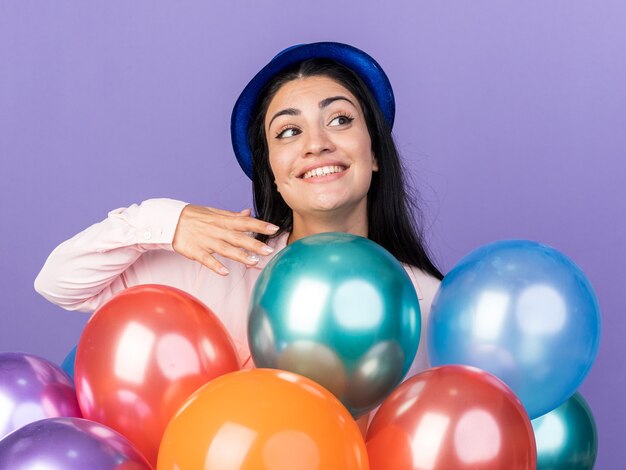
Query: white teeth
(323, 171)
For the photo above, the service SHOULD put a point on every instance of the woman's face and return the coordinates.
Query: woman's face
(319, 147)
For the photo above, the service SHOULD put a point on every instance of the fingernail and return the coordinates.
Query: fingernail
(272, 227)
(223, 270)
(267, 250)
(253, 258)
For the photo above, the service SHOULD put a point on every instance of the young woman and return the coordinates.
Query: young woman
(313, 131)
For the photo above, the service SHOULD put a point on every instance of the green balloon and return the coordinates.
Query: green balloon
(341, 310)
(566, 437)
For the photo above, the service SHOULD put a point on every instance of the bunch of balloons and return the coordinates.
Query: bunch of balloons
(526, 313)
(520, 316)
(140, 356)
(334, 325)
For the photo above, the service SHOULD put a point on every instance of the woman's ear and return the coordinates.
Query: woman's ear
(374, 163)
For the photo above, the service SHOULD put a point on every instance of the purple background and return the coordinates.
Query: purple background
(511, 117)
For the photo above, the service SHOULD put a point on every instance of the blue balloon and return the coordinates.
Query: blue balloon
(68, 363)
(522, 311)
(341, 310)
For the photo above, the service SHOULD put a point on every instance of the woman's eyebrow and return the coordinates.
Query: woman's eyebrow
(327, 101)
(284, 112)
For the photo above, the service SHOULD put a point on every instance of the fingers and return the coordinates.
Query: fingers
(236, 245)
(210, 262)
(248, 224)
(247, 243)
(227, 244)
(241, 221)
(205, 252)
(227, 250)
(242, 212)
(204, 231)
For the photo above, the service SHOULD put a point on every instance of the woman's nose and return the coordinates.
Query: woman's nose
(318, 141)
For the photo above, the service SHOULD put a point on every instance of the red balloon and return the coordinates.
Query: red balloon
(142, 354)
(449, 417)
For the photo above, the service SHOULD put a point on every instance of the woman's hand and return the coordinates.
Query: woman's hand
(203, 231)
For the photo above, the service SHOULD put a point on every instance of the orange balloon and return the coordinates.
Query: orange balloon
(142, 354)
(262, 419)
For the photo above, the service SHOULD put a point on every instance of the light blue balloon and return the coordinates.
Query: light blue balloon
(522, 311)
(68, 363)
(341, 310)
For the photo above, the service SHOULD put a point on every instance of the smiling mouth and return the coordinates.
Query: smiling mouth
(323, 171)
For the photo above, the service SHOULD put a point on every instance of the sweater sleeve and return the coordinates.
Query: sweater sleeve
(84, 271)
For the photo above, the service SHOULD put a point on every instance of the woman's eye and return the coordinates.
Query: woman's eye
(341, 120)
(289, 132)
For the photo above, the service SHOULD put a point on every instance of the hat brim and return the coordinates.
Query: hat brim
(356, 60)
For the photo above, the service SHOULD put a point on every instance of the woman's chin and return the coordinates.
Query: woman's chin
(327, 203)
(330, 207)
